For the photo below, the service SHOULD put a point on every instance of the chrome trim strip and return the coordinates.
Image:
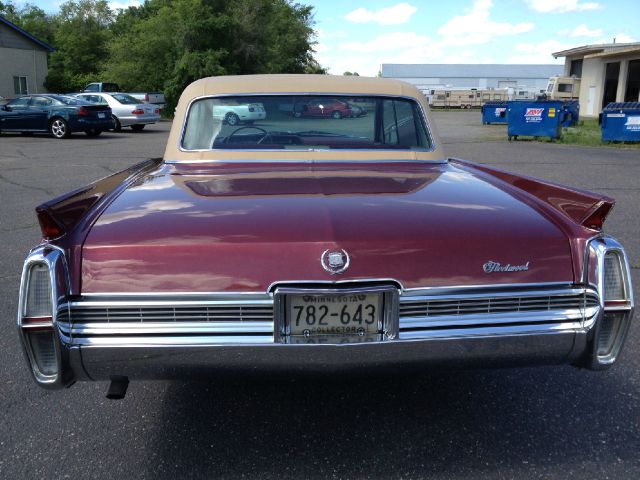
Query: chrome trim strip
(458, 293)
(493, 332)
(299, 161)
(165, 328)
(170, 303)
(169, 295)
(269, 291)
(310, 94)
(335, 283)
(491, 319)
(185, 341)
(482, 287)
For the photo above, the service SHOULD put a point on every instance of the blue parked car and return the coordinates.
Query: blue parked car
(59, 115)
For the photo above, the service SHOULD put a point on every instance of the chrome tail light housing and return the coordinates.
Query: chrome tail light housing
(608, 270)
(44, 281)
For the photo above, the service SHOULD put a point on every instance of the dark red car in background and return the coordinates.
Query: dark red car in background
(323, 107)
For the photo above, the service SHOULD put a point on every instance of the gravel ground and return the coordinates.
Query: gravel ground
(546, 422)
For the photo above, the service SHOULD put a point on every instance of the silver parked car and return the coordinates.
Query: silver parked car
(126, 110)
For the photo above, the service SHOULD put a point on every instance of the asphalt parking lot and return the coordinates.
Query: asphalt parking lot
(545, 422)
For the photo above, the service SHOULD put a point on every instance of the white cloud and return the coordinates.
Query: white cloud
(365, 57)
(477, 27)
(538, 53)
(619, 38)
(581, 31)
(562, 6)
(124, 4)
(623, 38)
(389, 41)
(395, 15)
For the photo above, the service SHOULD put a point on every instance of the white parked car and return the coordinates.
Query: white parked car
(234, 114)
(126, 110)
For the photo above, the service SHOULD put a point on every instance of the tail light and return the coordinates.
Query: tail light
(138, 111)
(157, 111)
(613, 283)
(36, 321)
(596, 219)
(617, 294)
(83, 112)
(48, 226)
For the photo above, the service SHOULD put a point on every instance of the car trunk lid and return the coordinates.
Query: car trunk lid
(247, 228)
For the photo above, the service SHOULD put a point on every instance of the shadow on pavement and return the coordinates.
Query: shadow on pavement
(462, 423)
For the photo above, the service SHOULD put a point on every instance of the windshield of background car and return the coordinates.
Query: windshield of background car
(19, 102)
(70, 100)
(125, 99)
(304, 122)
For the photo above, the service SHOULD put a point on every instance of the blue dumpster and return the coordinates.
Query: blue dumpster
(536, 118)
(494, 112)
(572, 107)
(621, 122)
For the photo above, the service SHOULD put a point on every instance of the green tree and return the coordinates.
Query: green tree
(81, 40)
(9, 11)
(168, 44)
(30, 18)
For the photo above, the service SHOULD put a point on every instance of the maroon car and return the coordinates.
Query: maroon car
(323, 108)
(277, 247)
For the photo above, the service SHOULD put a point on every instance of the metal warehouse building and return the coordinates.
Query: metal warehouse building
(533, 78)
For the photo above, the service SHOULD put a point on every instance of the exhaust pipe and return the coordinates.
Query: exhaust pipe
(117, 387)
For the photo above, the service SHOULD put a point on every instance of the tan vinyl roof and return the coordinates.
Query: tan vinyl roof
(295, 84)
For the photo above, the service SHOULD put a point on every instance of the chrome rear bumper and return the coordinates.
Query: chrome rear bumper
(180, 362)
(186, 336)
(168, 335)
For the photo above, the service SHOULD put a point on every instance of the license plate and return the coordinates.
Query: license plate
(337, 314)
(101, 115)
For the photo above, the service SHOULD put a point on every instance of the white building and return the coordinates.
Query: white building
(609, 73)
(23, 61)
(531, 78)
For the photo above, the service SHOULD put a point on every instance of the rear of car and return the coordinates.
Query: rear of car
(126, 110)
(317, 245)
(156, 99)
(59, 115)
(234, 113)
(130, 112)
(86, 117)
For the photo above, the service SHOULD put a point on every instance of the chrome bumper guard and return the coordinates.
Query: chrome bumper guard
(185, 335)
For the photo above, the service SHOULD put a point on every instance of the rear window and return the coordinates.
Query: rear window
(125, 99)
(70, 100)
(304, 122)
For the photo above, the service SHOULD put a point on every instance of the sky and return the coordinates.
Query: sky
(360, 35)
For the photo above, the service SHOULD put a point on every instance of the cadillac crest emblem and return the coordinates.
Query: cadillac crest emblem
(335, 261)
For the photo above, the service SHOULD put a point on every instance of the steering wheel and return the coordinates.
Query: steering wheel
(265, 134)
